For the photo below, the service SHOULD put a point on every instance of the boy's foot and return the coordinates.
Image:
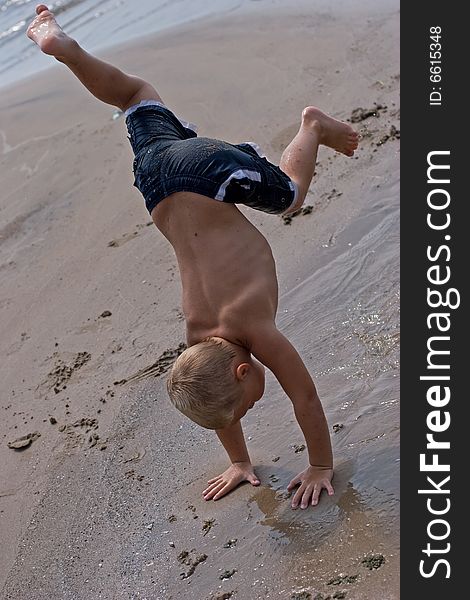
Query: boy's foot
(47, 34)
(334, 134)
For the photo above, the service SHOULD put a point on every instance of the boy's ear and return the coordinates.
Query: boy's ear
(242, 371)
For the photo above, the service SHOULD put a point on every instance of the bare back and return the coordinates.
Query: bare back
(227, 268)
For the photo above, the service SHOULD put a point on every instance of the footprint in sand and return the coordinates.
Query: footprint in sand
(185, 558)
(126, 237)
(99, 323)
(23, 442)
(81, 432)
(160, 366)
(58, 378)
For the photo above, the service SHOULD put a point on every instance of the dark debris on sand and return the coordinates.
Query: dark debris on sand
(306, 210)
(223, 595)
(373, 561)
(208, 524)
(304, 595)
(335, 596)
(342, 579)
(361, 114)
(301, 596)
(192, 562)
(227, 574)
(393, 134)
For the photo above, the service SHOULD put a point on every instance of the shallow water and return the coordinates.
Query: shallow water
(94, 23)
(344, 318)
(99, 24)
(350, 331)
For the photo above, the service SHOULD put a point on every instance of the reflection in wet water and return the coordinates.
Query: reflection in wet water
(307, 529)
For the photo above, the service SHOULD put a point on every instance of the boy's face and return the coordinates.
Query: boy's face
(251, 377)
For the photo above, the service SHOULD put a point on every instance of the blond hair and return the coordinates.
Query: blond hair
(203, 387)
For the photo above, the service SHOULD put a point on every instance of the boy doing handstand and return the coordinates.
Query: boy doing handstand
(191, 186)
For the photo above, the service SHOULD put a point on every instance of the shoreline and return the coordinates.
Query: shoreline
(240, 11)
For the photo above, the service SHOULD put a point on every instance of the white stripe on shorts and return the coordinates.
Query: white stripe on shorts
(133, 108)
(256, 148)
(240, 174)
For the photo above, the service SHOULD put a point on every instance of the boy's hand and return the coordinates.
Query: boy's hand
(312, 481)
(229, 479)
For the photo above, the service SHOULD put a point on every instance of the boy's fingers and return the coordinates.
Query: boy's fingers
(297, 496)
(306, 496)
(214, 479)
(209, 488)
(217, 491)
(329, 488)
(212, 486)
(293, 483)
(213, 491)
(316, 495)
(223, 491)
(221, 484)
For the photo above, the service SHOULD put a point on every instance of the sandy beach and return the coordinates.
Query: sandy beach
(105, 499)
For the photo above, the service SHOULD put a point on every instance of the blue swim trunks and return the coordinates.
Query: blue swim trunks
(170, 157)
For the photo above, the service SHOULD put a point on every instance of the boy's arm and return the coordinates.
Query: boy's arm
(233, 440)
(276, 352)
(241, 469)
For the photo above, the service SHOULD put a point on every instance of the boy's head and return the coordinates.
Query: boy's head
(215, 382)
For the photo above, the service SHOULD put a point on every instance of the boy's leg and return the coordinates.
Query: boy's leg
(105, 82)
(299, 158)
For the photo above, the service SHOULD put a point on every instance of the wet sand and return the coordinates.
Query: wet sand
(106, 502)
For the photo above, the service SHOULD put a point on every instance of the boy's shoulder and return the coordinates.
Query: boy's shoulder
(262, 338)
(276, 352)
